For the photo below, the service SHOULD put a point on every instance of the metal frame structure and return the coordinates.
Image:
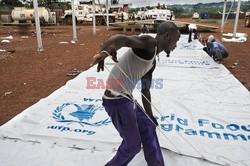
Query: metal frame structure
(73, 20)
(236, 17)
(38, 28)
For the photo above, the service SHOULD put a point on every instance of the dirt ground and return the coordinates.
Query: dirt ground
(26, 75)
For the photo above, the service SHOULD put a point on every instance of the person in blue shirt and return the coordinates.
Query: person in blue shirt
(216, 49)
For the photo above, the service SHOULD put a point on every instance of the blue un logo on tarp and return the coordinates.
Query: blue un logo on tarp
(85, 112)
(81, 114)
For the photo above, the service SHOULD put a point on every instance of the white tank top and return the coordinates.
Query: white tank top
(134, 68)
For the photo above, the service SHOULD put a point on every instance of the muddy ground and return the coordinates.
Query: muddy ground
(26, 75)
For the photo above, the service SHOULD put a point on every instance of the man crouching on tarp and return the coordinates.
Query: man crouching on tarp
(138, 63)
(215, 49)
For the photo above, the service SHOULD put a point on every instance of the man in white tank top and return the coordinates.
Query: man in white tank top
(134, 125)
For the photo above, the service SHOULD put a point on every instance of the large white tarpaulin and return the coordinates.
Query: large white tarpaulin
(202, 110)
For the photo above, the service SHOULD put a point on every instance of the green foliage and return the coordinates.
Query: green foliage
(133, 10)
(178, 11)
(208, 8)
(208, 21)
(245, 8)
(6, 5)
(11, 3)
(48, 4)
(149, 7)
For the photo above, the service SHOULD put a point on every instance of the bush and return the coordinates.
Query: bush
(208, 21)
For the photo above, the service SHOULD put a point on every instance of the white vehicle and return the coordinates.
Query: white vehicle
(118, 10)
(196, 15)
(85, 13)
(159, 14)
(118, 16)
(140, 15)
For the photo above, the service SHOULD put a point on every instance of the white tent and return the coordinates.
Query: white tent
(202, 111)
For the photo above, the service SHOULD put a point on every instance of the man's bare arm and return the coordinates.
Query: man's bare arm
(116, 42)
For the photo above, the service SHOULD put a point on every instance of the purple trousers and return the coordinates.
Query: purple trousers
(135, 128)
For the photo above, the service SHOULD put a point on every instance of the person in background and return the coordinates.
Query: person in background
(204, 41)
(122, 17)
(144, 29)
(133, 16)
(171, 16)
(215, 49)
(192, 28)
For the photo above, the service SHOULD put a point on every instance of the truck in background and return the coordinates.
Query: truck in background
(196, 15)
(120, 11)
(21, 15)
(84, 13)
(160, 14)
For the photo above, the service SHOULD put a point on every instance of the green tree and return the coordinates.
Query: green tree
(11, 3)
(177, 11)
(197, 7)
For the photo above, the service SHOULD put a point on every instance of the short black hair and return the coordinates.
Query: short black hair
(167, 27)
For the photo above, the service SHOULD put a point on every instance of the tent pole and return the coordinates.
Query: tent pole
(73, 20)
(38, 28)
(236, 19)
(107, 14)
(94, 21)
(223, 16)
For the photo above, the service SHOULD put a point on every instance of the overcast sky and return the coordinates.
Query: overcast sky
(139, 3)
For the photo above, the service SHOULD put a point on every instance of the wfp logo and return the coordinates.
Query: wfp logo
(82, 114)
